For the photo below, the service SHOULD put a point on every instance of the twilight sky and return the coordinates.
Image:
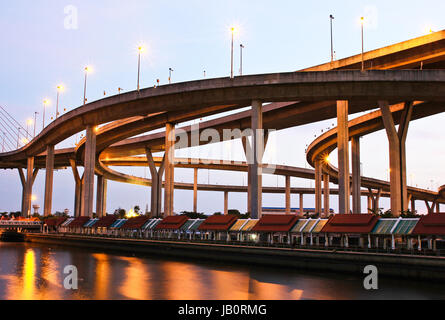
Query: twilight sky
(38, 52)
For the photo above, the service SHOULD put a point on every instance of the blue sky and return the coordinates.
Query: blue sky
(37, 53)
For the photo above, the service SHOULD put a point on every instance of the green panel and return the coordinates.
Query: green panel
(299, 225)
(320, 226)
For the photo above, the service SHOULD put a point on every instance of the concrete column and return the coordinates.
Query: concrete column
(226, 202)
(343, 157)
(28, 189)
(101, 197)
(89, 165)
(23, 183)
(49, 180)
(301, 204)
(195, 191)
(170, 138)
(397, 155)
(326, 194)
(288, 204)
(318, 188)
(256, 163)
(78, 188)
(413, 204)
(370, 201)
(248, 153)
(156, 184)
(356, 175)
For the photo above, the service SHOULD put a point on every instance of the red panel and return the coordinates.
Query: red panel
(351, 223)
(218, 223)
(276, 223)
(78, 222)
(432, 224)
(55, 222)
(135, 223)
(105, 222)
(172, 223)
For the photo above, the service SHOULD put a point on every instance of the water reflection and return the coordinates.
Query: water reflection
(30, 271)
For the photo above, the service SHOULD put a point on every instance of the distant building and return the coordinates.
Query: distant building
(280, 210)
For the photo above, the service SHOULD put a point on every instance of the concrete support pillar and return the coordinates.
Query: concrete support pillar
(343, 157)
(370, 200)
(195, 191)
(156, 184)
(89, 165)
(356, 175)
(23, 182)
(301, 204)
(28, 188)
(170, 138)
(101, 197)
(413, 204)
(318, 187)
(49, 180)
(226, 202)
(326, 194)
(248, 153)
(255, 163)
(397, 155)
(288, 204)
(375, 199)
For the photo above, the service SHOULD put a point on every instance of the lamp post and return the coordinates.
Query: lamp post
(87, 69)
(140, 49)
(59, 89)
(241, 60)
(170, 70)
(35, 121)
(45, 103)
(331, 17)
(231, 56)
(3, 143)
(362, 20)
(18, 137)
(28, 123)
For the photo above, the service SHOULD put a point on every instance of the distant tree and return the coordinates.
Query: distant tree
(217, 214)
(15, 214)
(194, 215)
(137, 209)
(410, 214)
(120, 213)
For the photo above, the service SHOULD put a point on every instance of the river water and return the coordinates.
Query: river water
(34, 271)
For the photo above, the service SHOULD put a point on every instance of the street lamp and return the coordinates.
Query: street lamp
(59, 89)
(28, 123)
(331, 17)
(45, 104)
(18, 137)
(35, 121)
(170, 70)
(3, 144)
(241, 46)
(140, 50)
(87, 69)
(362, 21)
(231, 56)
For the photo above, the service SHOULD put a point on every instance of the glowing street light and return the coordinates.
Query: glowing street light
(28, 123)
(362, 22)
(59, 89)
(140, 50)
(87, 69)
(45, 104)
